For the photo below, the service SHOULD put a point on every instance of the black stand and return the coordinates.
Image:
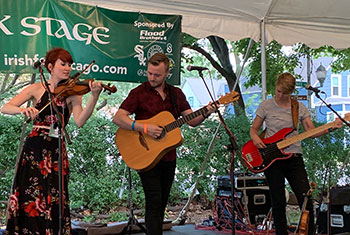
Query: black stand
(132, 220)
(233, 147)
(346, 123)
(330, 107)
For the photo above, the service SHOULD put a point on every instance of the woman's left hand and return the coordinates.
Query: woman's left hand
(95, 87)
(338, 123)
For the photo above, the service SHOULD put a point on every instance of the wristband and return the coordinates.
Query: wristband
(145, 128)
(21, 110)
(133, 126)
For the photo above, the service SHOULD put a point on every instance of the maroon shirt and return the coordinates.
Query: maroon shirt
(146, 102)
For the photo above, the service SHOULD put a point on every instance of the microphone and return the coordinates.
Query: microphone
(38, 63)
(198, 68)
(314, 89)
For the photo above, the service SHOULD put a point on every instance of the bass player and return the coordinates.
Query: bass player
(277, 114)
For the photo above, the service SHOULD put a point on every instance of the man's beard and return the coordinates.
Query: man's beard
(156, 84)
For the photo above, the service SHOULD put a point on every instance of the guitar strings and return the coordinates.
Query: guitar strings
(180, 121)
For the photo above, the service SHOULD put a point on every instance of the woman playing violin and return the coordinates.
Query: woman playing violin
(34, 201)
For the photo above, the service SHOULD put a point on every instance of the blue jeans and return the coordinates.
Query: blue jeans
(156, 185)
(292, 169)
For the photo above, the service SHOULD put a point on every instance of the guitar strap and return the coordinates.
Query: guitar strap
(295, 114)
(173, 99)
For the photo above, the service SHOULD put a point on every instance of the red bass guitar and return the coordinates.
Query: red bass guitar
(258, 160)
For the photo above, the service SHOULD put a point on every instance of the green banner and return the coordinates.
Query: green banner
(120, 43)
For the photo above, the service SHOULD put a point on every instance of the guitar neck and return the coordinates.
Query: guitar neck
(179, 122)
(289, 141)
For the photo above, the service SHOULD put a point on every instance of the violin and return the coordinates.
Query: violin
(304, 217)
(77, 87)
(73, 86)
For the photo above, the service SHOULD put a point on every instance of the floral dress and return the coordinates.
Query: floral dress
(34, 201)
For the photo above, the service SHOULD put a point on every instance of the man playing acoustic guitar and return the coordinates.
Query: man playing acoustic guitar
(277, 115)
(146, 101)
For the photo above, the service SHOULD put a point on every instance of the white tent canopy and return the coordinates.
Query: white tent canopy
(313, 22)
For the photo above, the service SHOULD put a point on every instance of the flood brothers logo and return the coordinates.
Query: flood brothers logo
(80, 31)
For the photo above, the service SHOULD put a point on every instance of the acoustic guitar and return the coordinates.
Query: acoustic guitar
(259, 159)
(141, 152)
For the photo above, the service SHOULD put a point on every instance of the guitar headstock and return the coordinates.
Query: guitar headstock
(229, 97)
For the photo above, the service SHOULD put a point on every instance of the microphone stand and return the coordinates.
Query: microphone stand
(59, 136)
(342, 119)
(330, 107)
(233, 147)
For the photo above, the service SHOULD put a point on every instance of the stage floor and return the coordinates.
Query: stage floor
(188, 229)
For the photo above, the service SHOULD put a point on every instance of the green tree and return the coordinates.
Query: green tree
(10, 132)
(221, 50)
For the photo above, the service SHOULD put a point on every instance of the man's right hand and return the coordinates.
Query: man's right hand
(154, 130)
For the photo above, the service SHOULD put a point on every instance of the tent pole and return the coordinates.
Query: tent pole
(250, 45)
(263, 58)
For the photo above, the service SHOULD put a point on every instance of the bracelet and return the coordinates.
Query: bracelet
(133, 126)
(145, 128)
(21, 110)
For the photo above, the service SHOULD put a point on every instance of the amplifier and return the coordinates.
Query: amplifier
(250, 190)
(340, 195)
(339, 219)
(340, 209)
(336, 219)
(258, 202)
(251, 182)
(243, 182)
(224, 182)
